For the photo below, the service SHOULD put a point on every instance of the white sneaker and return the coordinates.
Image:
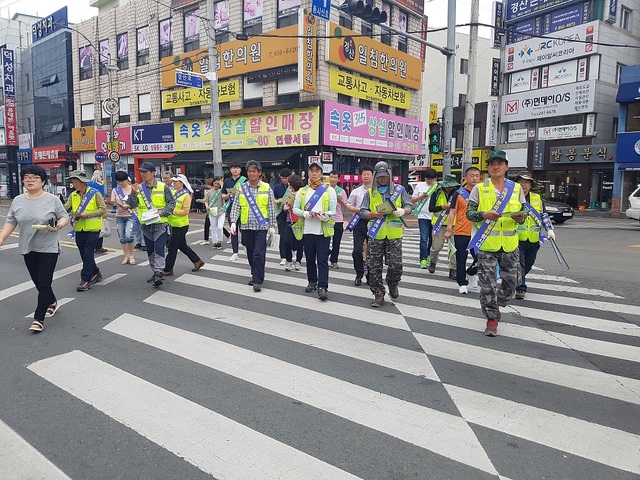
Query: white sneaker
(298, 266)
(288, 266)
(463, 289)
(205, 242)
(233, 257)
(283, 262)
(228, 239)
(473, 281)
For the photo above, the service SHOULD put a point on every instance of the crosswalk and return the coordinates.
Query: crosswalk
(279, 384)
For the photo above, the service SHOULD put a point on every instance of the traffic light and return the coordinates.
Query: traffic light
(434, 138)
(364, 10)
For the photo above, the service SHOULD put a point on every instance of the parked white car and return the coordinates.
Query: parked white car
(634, 204)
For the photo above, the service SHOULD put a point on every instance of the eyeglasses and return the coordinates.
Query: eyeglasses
(31, 178)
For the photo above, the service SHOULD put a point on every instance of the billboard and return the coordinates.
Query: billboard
(285, 128)
(83, 139)
(358, 87)
(192, 97)
(121, 140)
(49, 25)
(153, 138)
(571, 43)
(353, 127)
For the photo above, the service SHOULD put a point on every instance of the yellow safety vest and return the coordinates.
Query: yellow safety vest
(157, 198)
(530, 230)
(179, 220)
(392, 226)
(328, 227)
(441, 200)
(93, 224)
(504, 234)
(262, 201)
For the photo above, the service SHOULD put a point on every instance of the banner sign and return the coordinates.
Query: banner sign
(523, 30)
(585, 154)
(24, 156)
(192, 97)
(520, 81)
(561, 73)
(568, 17)
(307, 51)
(49, 25)
(564, 45)
(350, 50)
(270, 74)
(285, 128)
(560, 131)
(121, 140)
(8, 72)
(498, 23)
(495, 77)
(47, 154)
(358, 87)
(478, 159)
(525, 8)
(493, 120)
(549, 102)
(83, 139)
(11, 121)
(153, 138)
(613, 8)
(347, 126)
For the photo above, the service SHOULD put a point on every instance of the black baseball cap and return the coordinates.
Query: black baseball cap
(147, 167)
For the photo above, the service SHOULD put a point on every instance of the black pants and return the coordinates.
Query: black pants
(256, 243)
(292, 243)
(207, 228)
(462, 243)
(41, 267)
(86, 242)
(234, 238)
(335, 243)
(178, 241)
(316, 249)
(528, 254)
(359, 236)
(282, 228)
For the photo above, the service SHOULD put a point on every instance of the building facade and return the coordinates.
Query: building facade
(297, 88)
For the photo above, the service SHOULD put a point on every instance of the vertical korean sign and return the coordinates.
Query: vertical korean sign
(306, 51)
(9, 89)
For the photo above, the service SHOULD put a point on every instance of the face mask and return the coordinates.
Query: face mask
(384, 189)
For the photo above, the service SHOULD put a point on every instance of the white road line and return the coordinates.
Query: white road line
(601, 444)
(9, 246)
(306, 302)
(530, 334)
(215, 444)
(580, 321)
(197, 230)
(389, 356)
(112, 278)
(24, 286)
(582, 379)
(61, 302)
(143, 264)
(448, 435)
(550, 278)
(19, 460)
(584, 303)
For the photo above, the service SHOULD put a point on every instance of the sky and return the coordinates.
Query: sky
(79, 10)
(436, 10)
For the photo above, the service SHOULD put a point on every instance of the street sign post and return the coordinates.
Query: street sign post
(321, 9)
(114, 157)
(100, 157)
(187, 80)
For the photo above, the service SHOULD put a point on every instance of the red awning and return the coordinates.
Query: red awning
(49, 164)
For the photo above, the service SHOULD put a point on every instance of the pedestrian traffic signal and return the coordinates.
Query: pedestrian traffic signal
(434, 137)
(365, 11)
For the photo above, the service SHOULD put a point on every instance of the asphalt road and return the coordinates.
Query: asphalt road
(203, 378)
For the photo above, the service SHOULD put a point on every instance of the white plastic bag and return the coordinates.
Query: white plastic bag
(105, 231)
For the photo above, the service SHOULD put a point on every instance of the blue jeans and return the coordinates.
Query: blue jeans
(425, 227)
(125, 227)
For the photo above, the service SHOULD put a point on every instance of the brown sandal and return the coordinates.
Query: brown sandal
(37, 326)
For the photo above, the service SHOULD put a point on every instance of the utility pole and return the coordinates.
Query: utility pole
(213, 85)
(469, 108)
(448, 96)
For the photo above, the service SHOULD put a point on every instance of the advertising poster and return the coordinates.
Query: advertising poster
(166, 37)
(221, 15)
(123, 45)
(86, 58)
(143, 40)
(121, 140)
(191, 25)
(287, 7)
(252, 12)
(103, 46)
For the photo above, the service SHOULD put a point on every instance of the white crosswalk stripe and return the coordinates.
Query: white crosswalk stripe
(405, 373)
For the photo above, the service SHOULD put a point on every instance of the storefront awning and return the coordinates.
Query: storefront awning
(49, 164)
(629, 166)
(352, 152)
(628, 92)
(266, 156)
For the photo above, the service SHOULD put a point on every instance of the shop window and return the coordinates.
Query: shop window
(166, 113)
(165, 34)
(345, 20)
(633, 117)
(344, 99)
(105, 121)
(125, 109)
(192, 30)
(625, 18)
(366, 28)
(144, 106)
(144, 116)
(87, 112)
(192, 112)
(224, 106)
(289, 98)
(464, 66)
(383, 108)
(402, 44)
(619, 71)
(386, 36)
(365, 104)
(252, 102)
(401, 112)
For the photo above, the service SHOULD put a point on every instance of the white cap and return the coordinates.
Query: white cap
(181, 178)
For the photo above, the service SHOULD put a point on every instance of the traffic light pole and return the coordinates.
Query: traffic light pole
(450, 52)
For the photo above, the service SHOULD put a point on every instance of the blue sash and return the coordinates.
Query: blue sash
(536, 217)
(464, 193)
(240, 181)
(353, 222)
(146, 197)
(315, 198)
(377, 224)
(120, 194)
(246, 190)
(485, 229)
(181, 192)
(89, 194)
(421, 203)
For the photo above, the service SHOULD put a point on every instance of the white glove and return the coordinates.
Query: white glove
(324, 217)
(551, 235)
(306, 214)
(271, 232)
(233, 229)
(399, 212)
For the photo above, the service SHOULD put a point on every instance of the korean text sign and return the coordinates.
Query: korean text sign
(192, 97)
(352, 51)
(347, 126)
(121, 140)
(286, 128)
(366, 89)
